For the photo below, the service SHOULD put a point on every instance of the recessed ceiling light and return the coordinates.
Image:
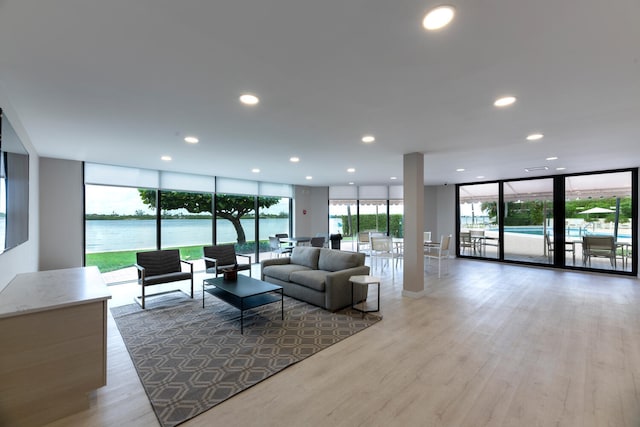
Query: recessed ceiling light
(166, 158)
(351, 170)
(308, 177)
(480, 176)
(294, 159)
(249, 99)
(537, 168)
(255, 170)
(504, 101)
(560, 169)
(438, 18)
(191, 139)
(368, 139)
(393, 178)
(535, 137)
(460, 170)
(552, 158)
(351, 183)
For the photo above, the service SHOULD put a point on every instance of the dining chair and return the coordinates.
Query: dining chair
(363, 244)
(276, 248)
(426, 237)
(441, 253)
(317, 242)
(382, 248)
(477, 240)
(465, 241)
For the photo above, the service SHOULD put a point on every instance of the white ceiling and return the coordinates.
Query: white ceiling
(123, 81)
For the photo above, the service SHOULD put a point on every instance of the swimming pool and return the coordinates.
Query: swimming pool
(538, 230)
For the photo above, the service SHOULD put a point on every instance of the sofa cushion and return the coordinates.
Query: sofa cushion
(165, 278)
(313, 279)
(334, 260)
(282, 271)
(305, 255)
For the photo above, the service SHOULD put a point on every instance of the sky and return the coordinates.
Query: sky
(126, 201)
(106, 200)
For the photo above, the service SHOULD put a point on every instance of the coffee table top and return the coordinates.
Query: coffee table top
(244, 286)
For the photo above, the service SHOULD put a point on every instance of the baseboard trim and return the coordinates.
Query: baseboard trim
(411, 294)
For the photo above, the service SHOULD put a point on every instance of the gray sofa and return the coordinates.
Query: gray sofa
(319, 276)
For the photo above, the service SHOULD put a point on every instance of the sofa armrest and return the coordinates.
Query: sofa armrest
(338, 288)
(272, 261)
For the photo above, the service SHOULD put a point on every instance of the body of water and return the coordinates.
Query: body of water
(538, 230)
(118, 235)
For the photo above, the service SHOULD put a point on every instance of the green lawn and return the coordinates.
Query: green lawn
(111, 261)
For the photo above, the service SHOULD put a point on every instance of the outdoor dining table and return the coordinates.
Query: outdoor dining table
(296, 240)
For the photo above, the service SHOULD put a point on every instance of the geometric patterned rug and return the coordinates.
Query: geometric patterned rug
(190, 359)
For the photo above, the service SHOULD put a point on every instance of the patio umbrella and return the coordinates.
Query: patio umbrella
(596, 211)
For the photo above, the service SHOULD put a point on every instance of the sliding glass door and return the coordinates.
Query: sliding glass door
(528, 220)
(599, 210)
(478, 220)
(582, 221)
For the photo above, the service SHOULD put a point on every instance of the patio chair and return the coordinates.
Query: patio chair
(598, 247)
(218, 258)
(441, 252)
(550, 244)
(157, 267)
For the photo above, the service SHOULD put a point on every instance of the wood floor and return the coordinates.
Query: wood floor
(489, 345)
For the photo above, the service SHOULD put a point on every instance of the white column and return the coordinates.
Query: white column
(413, 184)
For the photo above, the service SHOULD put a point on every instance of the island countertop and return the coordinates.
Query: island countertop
(52, 289)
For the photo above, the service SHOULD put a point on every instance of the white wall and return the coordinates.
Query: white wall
(319, 211)
(431, 211)
(61, 214)
(310, 210)
(446, 210)
(22, 258)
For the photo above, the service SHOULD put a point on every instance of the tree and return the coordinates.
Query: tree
(229, 207)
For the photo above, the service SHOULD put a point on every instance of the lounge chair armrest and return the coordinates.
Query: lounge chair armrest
(189, 263)
(141, 272)
(248, 257)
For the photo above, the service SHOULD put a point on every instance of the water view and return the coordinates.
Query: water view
(117, 235)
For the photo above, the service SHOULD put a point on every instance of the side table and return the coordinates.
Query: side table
(363, 282)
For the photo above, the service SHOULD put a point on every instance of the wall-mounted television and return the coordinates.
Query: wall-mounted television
(14, 187)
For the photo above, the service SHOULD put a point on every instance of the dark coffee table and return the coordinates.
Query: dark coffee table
(243, 293)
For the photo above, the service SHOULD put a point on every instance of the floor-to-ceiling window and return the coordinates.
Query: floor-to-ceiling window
(121, 216)
(396, 218)
(274, 218)
(372, 215)
(583, 221)
(478, 210)
(599, 210)
(236, 221)
(343, 220)
(528, 220)
(118, 223)
(185, 221)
